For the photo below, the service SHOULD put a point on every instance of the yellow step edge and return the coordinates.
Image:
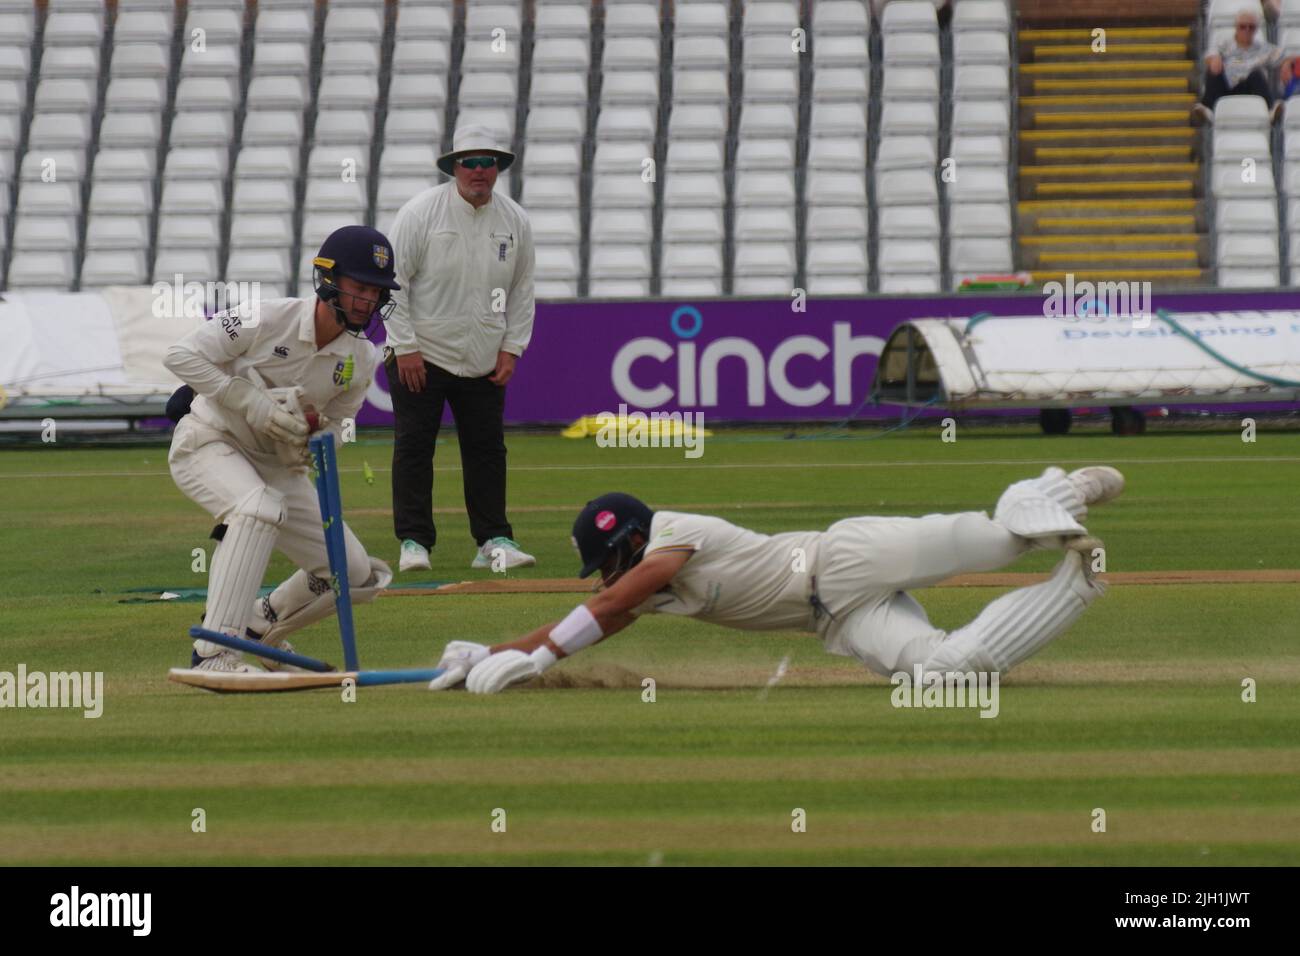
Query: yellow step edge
(1114, 98)
(1111, 66)
(1097, 222)
(1114, 275)
(1162, 255)
(1045, 189)
(1094, 152)
(1112, 33)
(1031, 205)
(1082, 169)
(1126, 116)
(1134, 237)
(1085, 50)
(1149, 82)
(1167, 132)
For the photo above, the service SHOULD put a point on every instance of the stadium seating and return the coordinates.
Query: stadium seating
(663, 148)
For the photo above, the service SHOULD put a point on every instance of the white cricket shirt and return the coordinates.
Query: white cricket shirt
(735, 577)
(467, 280)
(273, 346)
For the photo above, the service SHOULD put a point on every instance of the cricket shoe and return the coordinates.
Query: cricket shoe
(226, 662)
(510, 555)
(279, 644)
(1097, 484)
(415, 557)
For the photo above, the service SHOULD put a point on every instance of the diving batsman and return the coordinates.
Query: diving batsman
(847, 584)
(263, 377)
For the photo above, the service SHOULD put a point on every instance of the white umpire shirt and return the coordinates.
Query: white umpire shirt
(273, 346)
(467, 280)
(734, 577)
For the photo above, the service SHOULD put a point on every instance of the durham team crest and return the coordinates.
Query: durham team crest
(381, 256)
(343, 372)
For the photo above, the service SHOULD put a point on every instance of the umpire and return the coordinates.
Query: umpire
(463, 316)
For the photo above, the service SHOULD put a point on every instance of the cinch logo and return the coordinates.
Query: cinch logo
(103, 909)
(694, 380)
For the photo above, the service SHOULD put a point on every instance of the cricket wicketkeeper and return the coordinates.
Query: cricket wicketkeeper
(264, 377)
(847, 584)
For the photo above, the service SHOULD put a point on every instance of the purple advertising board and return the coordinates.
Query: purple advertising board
(739, 359)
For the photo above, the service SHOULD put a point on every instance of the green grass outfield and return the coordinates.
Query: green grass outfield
(1137, 710)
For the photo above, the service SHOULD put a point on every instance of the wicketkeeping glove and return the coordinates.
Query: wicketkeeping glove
(458, 659)
(263, 414)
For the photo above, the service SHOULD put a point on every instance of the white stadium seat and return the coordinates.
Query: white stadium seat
(980, 15)
(765, 223)
(836, 222)
(208, 93)
(420, 56)
(620, 190)
(704, 18)
(902, 222)
(125, 165)
(968, 220)
(685, 224)
(107, 267)
(910, 16)
(421, 22)
(197, 162)
(117, 232)
(629, 20)
(35, 233)
(267, 162)
(123, 198)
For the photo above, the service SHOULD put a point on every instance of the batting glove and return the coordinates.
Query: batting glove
(507, 668)
(458, 659)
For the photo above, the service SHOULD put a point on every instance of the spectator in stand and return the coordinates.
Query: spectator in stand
(1239, 65)
(1290, 77)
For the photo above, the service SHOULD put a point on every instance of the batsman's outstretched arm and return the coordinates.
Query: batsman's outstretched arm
(488, 670)
(611, 608)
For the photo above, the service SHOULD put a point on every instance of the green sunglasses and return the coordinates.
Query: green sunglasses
(478, 162)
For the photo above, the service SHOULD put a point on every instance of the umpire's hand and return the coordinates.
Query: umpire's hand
(505, 368)
(410, 371)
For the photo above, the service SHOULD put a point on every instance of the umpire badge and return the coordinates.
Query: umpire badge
(381, 256)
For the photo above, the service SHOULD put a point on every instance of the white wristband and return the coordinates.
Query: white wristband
(576, 631)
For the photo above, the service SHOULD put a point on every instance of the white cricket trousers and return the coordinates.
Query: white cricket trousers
(867, 564)
(215, 475)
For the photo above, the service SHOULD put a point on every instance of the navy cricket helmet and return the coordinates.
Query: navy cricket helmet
(604, 527)
(364, 255)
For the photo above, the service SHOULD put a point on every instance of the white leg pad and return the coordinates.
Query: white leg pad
(1046, 507)
(1019, 624)
(239, 564)
(301, 601)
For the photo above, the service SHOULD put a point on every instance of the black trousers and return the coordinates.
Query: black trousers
(478, 406)
(1216, 86)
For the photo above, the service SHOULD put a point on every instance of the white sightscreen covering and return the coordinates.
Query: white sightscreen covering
(1046, 362)
(80, 345)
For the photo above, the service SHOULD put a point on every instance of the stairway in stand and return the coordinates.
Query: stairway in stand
(1110, 176)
